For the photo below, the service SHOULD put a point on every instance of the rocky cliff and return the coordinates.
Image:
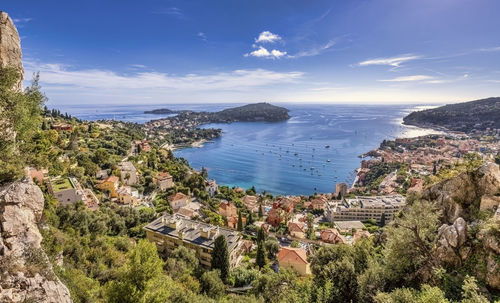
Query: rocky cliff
(10, 46)
(26, 274)
(470, 234)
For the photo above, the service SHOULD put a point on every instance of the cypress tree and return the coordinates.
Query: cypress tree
(261, 255)
(249, 218)
(261, 213)
(261, 236)
(240, 222)
(220, 257)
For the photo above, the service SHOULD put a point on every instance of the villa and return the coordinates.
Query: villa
(294, 259)
(66, 190)
(164, 181)
(110, 184)
(178, 200)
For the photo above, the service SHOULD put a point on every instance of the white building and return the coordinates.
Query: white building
(212, 188)
(364, 208)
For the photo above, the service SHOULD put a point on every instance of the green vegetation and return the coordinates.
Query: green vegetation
(220, 257)
(19, 120)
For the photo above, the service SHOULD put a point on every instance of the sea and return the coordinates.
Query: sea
(319, 146)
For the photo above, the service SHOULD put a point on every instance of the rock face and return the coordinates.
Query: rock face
(25, 271)
(452, 239)
(10, 46)
(459, 196)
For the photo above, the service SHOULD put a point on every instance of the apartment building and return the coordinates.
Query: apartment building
(364, 208)
(171, 231)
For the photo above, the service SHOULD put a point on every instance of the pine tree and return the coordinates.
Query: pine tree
(220, 257)
(240, 222)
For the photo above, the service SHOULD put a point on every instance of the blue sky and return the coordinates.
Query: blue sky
(161, 51)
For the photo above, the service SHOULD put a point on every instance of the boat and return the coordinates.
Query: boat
(327, 146)
(328, 160)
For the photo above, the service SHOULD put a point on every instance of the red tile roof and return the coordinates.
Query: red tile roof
(292, 255)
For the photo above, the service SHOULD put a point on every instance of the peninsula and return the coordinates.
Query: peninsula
(468, 117)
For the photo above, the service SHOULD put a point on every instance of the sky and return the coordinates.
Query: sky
(205, 51)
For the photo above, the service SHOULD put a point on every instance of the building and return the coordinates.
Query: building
(318, 203)
(341, 189)
(66, 190)
(349, 226)
(127, 195)
(228, 209)
(212, 188)
(171, 231)
(110, 184)
(90, 199)
(37, 175)
(178, 200)
(101, 174)
(364, 208)
(281, 211)
(294, 259)
(251, 203)
(164, 181)
(128, 173)
(333, 236)
(297, 229)
(141, 145)
(62, 126)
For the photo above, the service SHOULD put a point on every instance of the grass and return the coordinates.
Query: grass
(61, 184)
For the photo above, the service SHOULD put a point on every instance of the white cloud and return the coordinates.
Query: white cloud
(267, 37)
(262, 52)
(21, 20)
(202, 36)
(57, 75)
(314, 51)
(392, 61)
(409, 78)
(490, 49)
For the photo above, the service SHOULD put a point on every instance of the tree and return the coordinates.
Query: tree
(410, 240)
(261, 254)
(249, 218)
(470, 291)
(240, 222)
(261, 235)
(141, 279)
(261, 212)
(211, 284)
(20, 120)
(382, 220)
(272, 247)
(220, 257)
(310, 227)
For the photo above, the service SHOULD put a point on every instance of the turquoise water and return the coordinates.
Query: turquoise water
(286, 157)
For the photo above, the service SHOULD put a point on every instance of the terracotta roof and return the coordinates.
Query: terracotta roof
(177, 196)
(113, 179)
(292, 255)
(296, 226)
(163, 175)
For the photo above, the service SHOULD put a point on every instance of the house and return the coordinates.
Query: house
(178, 200)
(281, 211)
(228, 209)
(331, 235)
(101, 174)
(164, 181)
(37, 175)
(66, 190)
(128, 173)
(141, 145)
(297, 229)
(128, 196)
(90, 199)
(239, 190)
(294, 259)
(251, 203)
(319, 203)
(212, 188)
(62, 126)
(171, 231)
(110, 184)
(348, 226)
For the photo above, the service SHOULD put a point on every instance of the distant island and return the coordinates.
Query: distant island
(161, 111)
(467, 117)
(247, 113)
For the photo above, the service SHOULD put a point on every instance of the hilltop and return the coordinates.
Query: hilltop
(465, 117)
